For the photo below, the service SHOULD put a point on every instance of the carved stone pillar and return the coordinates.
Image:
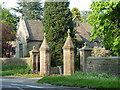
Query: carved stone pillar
(45, 58)
(68, 56)
(84, 53)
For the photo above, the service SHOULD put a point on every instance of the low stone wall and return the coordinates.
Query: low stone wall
(14, 61)
(26, 61)
(56, 70)
(108, 65)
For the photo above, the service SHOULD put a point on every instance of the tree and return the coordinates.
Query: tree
(76, 12)
(105, 19)
(56, 21)
(84, 15)
(7, 35)
(8, 23)
(30, 10)
(7, 17)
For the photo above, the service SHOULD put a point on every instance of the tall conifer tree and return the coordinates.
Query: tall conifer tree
(57, 20)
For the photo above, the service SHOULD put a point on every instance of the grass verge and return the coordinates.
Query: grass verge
(12, 70)
(20, 71)
(80, 79)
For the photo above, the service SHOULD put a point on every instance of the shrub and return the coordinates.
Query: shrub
(77, 62)
(98, 51)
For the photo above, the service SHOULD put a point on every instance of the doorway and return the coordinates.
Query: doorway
(21, 50)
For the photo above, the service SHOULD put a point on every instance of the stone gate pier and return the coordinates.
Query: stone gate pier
(68, 56)
(45, 58)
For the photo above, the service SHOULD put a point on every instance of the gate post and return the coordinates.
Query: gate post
(68, 56)
(34, 56)
(45, 58)
(84, 53)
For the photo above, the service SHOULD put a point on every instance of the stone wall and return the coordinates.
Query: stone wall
(25, 61)
(108, 65)
(55, 70)
(14, 61)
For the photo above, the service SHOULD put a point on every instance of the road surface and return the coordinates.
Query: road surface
(30, 84)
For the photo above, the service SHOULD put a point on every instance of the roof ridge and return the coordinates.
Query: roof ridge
(28, 28)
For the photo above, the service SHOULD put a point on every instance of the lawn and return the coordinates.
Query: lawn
(80, 79)
(12, 70)
(20, 71)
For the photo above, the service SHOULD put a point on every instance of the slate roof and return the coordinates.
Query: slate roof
(84, 32)
(88, 29)
(34, 29)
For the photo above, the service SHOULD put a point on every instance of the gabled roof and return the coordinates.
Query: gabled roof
(83, 31)
(88, 28)
(34, 29)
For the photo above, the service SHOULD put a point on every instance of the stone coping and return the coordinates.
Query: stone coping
(104, 58)
(17, 58)
(85, 49)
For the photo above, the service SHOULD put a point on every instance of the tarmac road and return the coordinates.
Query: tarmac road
(30, 84)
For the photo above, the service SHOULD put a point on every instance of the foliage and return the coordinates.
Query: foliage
(30, 10)
(84, 15)
(9, 23)
(13, 66)
(20, 71)
(12, 70)
(56, 21)
(7, 35)
(80, 79)
(100, 52)
(7, 17)
(75, 11)
(35, 75)
(105, 19)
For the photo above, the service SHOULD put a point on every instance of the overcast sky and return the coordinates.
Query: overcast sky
(80, 4)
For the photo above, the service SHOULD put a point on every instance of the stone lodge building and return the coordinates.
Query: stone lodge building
(29, 34)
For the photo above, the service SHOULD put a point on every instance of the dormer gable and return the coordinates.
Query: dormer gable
(22, 29)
